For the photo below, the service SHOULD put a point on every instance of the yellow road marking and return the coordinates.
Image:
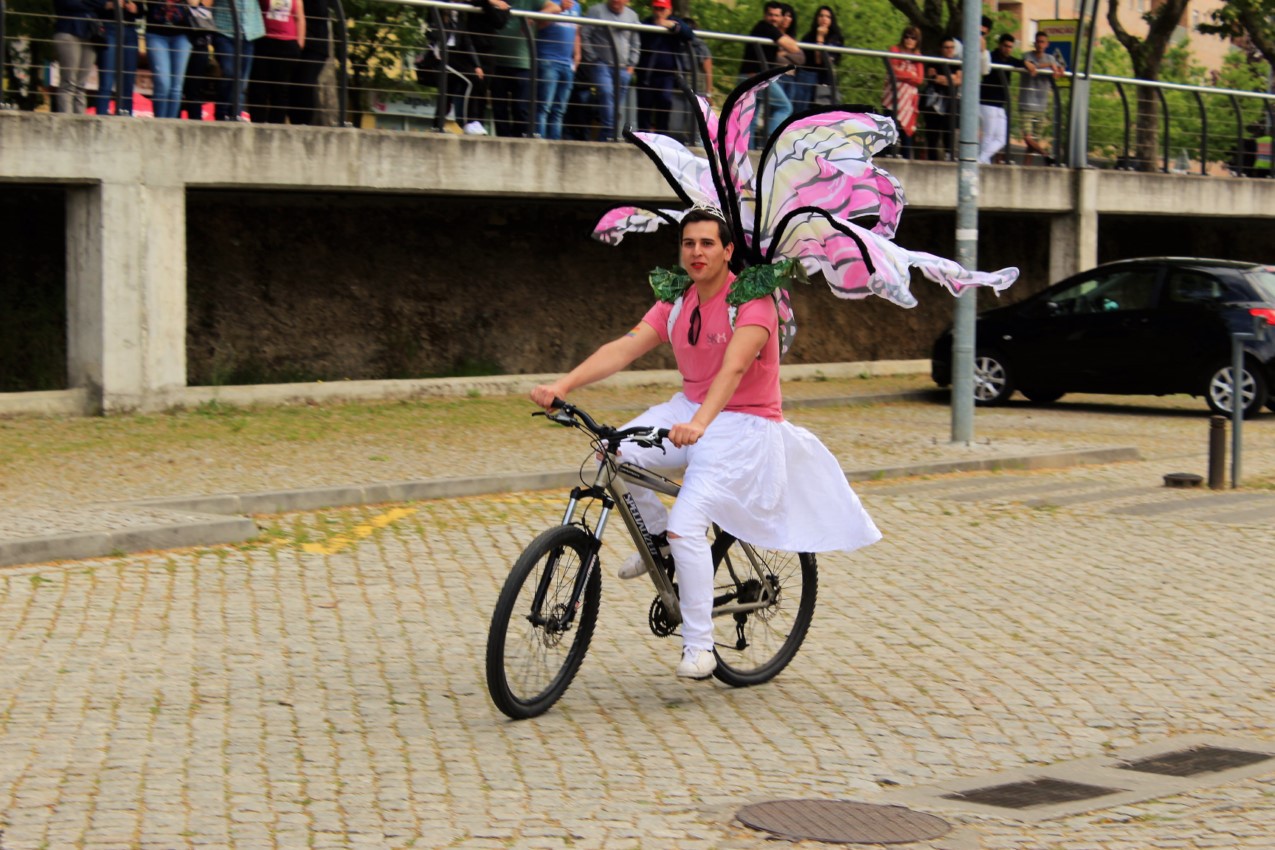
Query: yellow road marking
(344, 541)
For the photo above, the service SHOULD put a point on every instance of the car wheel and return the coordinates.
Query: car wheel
(1219, 391)
(1036, 395)
(993, 381)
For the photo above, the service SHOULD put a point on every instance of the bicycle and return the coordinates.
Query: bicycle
(547, 610)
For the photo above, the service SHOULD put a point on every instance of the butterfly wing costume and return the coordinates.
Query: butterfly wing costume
(816, 197)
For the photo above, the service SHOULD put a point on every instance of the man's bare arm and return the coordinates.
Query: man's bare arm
(606, 361)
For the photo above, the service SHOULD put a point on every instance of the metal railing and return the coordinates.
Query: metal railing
(1197, 129)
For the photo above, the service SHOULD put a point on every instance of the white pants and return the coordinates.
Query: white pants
(993, 131)
(769, 483)
(690, 548)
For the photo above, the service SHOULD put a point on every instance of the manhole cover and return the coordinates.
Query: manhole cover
(1037, 792)
(1195, 761)
(842, 822)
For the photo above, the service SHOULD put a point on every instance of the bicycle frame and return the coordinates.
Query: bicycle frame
(610, 488)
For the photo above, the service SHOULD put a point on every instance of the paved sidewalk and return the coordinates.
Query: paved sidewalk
(172, 506)
(321, 686)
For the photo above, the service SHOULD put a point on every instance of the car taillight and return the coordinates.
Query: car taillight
(1265, 313)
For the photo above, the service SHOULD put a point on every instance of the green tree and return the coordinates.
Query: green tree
(382, 39)
(1146, 56)
(1186, 130)
(1254, 19)
(30, 20)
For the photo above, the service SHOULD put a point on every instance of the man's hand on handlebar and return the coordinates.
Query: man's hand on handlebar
(685, 434)
(545, 394)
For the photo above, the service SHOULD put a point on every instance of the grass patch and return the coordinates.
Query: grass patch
(179, 435)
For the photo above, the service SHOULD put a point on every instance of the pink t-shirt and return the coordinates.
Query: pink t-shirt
(758, 392)
(280, 18)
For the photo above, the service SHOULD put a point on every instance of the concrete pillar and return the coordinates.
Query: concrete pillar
(126, 293)
(1073, 236)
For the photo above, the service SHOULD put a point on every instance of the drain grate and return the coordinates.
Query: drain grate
(1036, 792)
(1195, 761)
(842, 822)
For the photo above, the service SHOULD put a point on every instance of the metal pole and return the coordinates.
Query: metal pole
(119, 61)
(236, 95)
(1078, 125)
(1237, 404)
(966, 226)
(342, 71)
(1217, 452)
(4, 55)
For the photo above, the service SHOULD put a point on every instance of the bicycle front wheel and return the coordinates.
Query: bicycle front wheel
(538, 638)
(754, 646)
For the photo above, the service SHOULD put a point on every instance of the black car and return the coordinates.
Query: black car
(1152, 326)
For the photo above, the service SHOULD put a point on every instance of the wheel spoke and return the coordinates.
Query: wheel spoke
(533, 651)
(771, 634)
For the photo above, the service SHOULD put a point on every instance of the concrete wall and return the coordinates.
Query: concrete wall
(127, 296)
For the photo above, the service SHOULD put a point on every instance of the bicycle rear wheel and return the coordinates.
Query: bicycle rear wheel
(753, 647)
(535, 648)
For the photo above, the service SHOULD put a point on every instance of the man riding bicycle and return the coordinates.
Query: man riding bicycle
(755, 475)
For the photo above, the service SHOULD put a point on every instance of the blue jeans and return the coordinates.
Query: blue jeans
(224, 47)
(556, 79)
(106, 71)
(803, 89)
(169, 54)
(780, 107)
(603, 77)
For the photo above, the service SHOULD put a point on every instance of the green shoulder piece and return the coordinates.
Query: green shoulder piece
(757, 281)
(669, 284)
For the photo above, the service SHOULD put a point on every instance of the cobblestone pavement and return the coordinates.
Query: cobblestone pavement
(323, 685)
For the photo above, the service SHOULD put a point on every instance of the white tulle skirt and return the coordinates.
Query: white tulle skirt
(773, 484)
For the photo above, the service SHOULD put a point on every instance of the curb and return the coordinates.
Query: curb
(224, 521)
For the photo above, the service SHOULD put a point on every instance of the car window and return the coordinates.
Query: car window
(1126, 289)
(1187, 287)
(1263, 281)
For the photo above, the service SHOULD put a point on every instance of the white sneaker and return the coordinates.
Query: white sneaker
(633, 567)
(475, 128)
(697, 664)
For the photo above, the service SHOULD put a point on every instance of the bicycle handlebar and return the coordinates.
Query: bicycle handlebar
(571, 416)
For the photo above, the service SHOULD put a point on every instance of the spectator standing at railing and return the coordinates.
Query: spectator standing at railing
(703, 62)
(788, 26)
(782, 50)
(510, 80)
(901, 94)
(993, 96)
(682, 121)
(1035, 97)
(115, 36)
(815, 78)
(76, 26)
(468, 41)
(275, 59)
(303, 98)
(558, 54)
(168, 31)
(604, 47)
(223, 42)
(941, 103)
(663, 58)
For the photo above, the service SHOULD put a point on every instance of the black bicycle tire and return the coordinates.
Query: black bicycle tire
(737, 677)
(498, 684)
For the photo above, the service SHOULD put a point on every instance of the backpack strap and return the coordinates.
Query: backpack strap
(731, 312)
(673, 314)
